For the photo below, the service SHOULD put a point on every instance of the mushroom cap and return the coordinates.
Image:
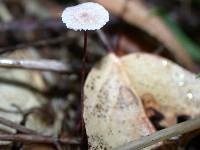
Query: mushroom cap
(85, 16)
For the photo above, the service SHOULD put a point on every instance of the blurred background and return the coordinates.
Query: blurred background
(165, 27)
(32, 29)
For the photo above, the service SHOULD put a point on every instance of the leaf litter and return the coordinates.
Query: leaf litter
(113, 109)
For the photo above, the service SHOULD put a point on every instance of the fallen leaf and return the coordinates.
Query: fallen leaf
(160, 116)
(113, 112)
(21, 89)
(18, 90)
(172, 86)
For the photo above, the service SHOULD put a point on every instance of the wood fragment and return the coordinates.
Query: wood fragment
(37, 139)
(42, 65)
(33, 44)
(5, 14)
(16, 126)
(161, 135)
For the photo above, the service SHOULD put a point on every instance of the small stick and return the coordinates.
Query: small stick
(5, 14)
(37, 139)
(16, 126)
(105, 40)
(42, 65)
(161, 135)
(33, 44)
(22, 25)
(32, 136)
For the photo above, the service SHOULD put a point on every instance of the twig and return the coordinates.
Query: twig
(19, 145)
(58, 146)
(33, 44)
(30, 24)
(32, 136)
(161, 135)
(37, 139)
(16, 126)
(42, 64)
(102, 36)
(4, 13)
(30, 64)
(9, 111)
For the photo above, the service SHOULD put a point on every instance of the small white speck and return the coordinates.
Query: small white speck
(189, 95)
(164, 63)
(181, 83)
(179, 78)
(116, 60)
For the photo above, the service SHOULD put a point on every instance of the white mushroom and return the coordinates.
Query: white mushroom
(86, 16)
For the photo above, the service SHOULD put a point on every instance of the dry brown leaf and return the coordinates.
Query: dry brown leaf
(137, 13)
(113, 112)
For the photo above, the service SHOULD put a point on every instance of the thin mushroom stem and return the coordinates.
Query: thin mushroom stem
(83, 68)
